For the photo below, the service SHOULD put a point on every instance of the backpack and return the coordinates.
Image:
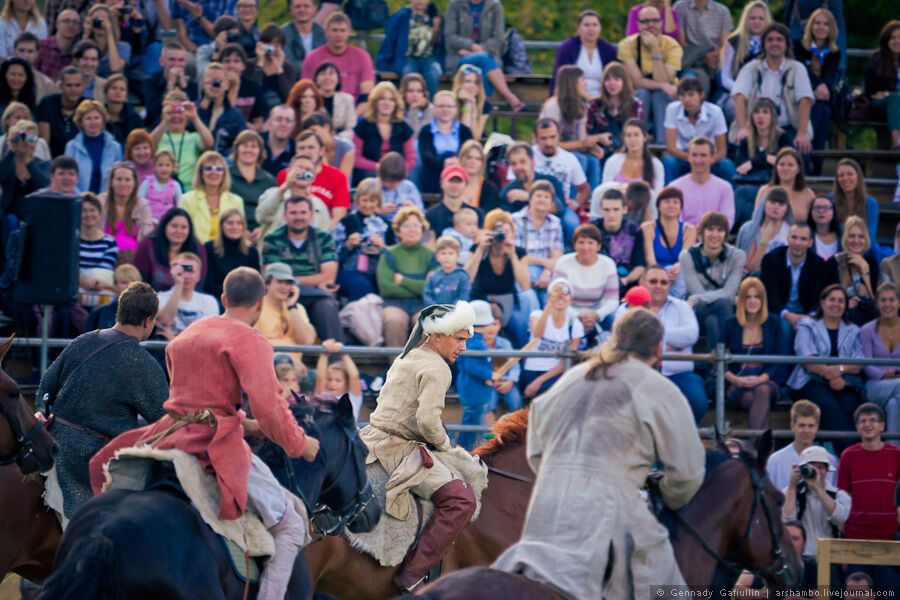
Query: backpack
(366, 15)
(515, 57)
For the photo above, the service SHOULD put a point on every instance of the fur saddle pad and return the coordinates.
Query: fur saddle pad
(129, 470)
(391, 539)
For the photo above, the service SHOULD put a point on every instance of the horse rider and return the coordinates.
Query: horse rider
(87, 407)
(406, 427)
(592, 440)
(210, 363)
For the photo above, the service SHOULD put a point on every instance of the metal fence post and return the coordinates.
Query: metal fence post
(720, 360)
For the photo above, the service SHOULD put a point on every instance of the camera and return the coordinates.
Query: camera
(232, 37)
(269, 48)
(96, 23)
(216, 83)
(807, 472)
(498, 236)
(178, 108)
(22, 136)
(306, 176)
(187, 268)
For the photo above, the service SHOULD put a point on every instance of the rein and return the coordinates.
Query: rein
(24, 440)
(511, 475)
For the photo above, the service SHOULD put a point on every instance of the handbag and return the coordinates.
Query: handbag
(860, 106)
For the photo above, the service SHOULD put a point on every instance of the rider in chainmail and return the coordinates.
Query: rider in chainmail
(96, 400)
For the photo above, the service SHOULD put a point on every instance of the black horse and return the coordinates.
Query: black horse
(153, 543)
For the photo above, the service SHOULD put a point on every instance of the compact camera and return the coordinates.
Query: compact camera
(499, 235)
(807, 471)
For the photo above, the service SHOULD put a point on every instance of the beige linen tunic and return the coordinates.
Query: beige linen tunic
(592, 445)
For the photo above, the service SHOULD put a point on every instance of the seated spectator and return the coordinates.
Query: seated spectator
(890, 267)
(354, 64)
(401, 274)
(15, 112)
(465, 231)
(182, 305)
(475, 374)
(550, 159)
(777, 76)
(360, 237)
(855, 269)
(122, 118)
(826, 228)
(449, 283)
(850, 197)
(139, 149)
(687, 118)
(668, 236)
(593, 280)
(172, 133)
(622, 239)
(705, 24)
(382, 129)
(174, 235)
(311, 255)
(835, 389)
(283, 321)
(569, 108)
(881, 339)
(558, 330)
(453, 184)
(417, 111)
(859, 583)
(336, 151)
(752, 386)
(21, 172)
(755, 156)
(279, 139)
(788, 174)
(743, 45)
(87, 59)
(302, 35)
(338, 378)
(248, 178)
(499, 274)
(305, 100)
(97, 254)
(652, 61)
(19, 86)
(161, 190)
(703, 191)
(93, 148)
(222, 119)
(55, 52)
(520, 157)
(173, 60)
(413, 44)
(396, 190)
(247, 12)
(270, 211)
(634, 161)
(616, 104)
(480, 191)
(804, 425)
(104, 316)
(26, 47)
(105, 32)
(540, 233)
(671, 25)
(474, 107)
(767, 230)
(439, 140)
(16, 19)
(587, 51)
(56, 113)
(339, 104)
(882, 79)
(211, 195)
(638, 207)
(798, 15)
(818, 51)
(712, 272)
(126, 216)
(271, 72)
(229, 250)
(226, 31)
(243, 92)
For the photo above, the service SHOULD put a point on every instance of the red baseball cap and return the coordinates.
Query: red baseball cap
(637, 296)
(454, 171)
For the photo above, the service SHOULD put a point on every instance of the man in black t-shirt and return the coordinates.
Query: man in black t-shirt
(440, 217)
(55, 112)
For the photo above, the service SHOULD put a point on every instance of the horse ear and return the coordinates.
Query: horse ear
(345, 408)
(300, 399)
(6, 346)
(763, 449)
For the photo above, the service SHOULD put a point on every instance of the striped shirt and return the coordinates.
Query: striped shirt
(100, 254)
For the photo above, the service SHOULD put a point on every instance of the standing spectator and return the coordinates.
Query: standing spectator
(652, 60)
(183, 305)
(881, 339)
(401, 274)
(17, 18)
(587, 51)
(279, 139)
(752, 386)
(475, 375)
(15, 112)
(743, 45)
(453, 184)
(270, 211)
(248, 178)
(172, 133)
(668, 236)
(396, 190)
(835, 389)
(480, 191)
(767, 230)
(616, 104)
(550, 159)
(214, 109)
(161, 190)
(819, 52)
(229, 250)
(540, 233)
(55, 52)
(882, 79)
(777, 76)
(440, 140)
(788, 173)
(104, 31)
(712, 272)
(382, 130)
(690, 117)
(514, 195)
(19, 86)
(211, 196)
(155, 253)
(305, 99)
(755, 157)
(274, 75)
(173, 60)
(360, 237)
(804, 425)
(126, 216)
(55, 114)
(311, 255)
(471, 97)
(329, 185)
(850, 197)
(622, 239)
(634, 161)
(826, 228)
(122, 118)
(336, 151)
(507, 389)
(243, 92)
(139, 149)
(449, 283)
(283, 321)
(302, 35)
(706, 25)
(21, 172)
(703, 191)
(412, 43)
(194, 20)
(339, 104)
(93, 148)
(338, 378)
(671, 25)
(855, 269)
(418, 111)
(357, 73)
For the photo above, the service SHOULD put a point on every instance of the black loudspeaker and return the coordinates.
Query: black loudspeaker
(49, 269)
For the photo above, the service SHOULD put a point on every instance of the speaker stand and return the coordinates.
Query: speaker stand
(45, 338)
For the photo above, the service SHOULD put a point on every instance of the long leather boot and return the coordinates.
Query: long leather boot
(289, 534)
(454, 505)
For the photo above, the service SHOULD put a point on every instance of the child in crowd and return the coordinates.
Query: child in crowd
(339, 378)
(161, 191)
(450, 282)
(104, 317)
(396, 190)
(506, 389)
(464, 231)
(289, 378)
(475, 379)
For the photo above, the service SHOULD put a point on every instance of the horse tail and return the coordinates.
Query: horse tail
(86, 571)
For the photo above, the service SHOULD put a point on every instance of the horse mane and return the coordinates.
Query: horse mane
(509, 431)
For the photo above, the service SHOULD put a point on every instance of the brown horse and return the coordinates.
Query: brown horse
(29, 532)
(337, 569)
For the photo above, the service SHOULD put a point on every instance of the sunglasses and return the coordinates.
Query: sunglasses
(466, 69)
(649, 21)
(27, 137)
(213, 168)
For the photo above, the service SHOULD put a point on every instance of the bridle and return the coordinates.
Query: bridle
(24, 447)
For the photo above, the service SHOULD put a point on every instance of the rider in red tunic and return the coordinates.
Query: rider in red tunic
(209, 364)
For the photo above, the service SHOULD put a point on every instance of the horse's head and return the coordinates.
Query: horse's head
(23, 439)
(344, 497)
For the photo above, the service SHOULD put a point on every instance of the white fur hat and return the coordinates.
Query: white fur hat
(446, 319)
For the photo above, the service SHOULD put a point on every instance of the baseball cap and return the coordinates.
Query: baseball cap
(454, 171)
(279, 271)
(816, 454)
(637, 296)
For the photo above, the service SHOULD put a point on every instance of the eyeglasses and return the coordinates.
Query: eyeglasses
(412, 225)
(867, 420)
(658, 282)
(649, 21)
(70, 22)
(213, 168)
(822, 208)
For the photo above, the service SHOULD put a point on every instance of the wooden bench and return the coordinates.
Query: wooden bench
(856, 552)
(882, 188)
(875, 163)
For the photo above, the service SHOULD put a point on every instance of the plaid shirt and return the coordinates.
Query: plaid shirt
(54, 7)
(600, 121)
(50, 60)
(538, 242)
(212, 10)
(277, 247)
(703, 26)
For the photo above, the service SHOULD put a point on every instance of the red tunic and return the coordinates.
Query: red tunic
(209, 364)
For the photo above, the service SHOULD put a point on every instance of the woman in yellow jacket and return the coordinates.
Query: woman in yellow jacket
(211, 196)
